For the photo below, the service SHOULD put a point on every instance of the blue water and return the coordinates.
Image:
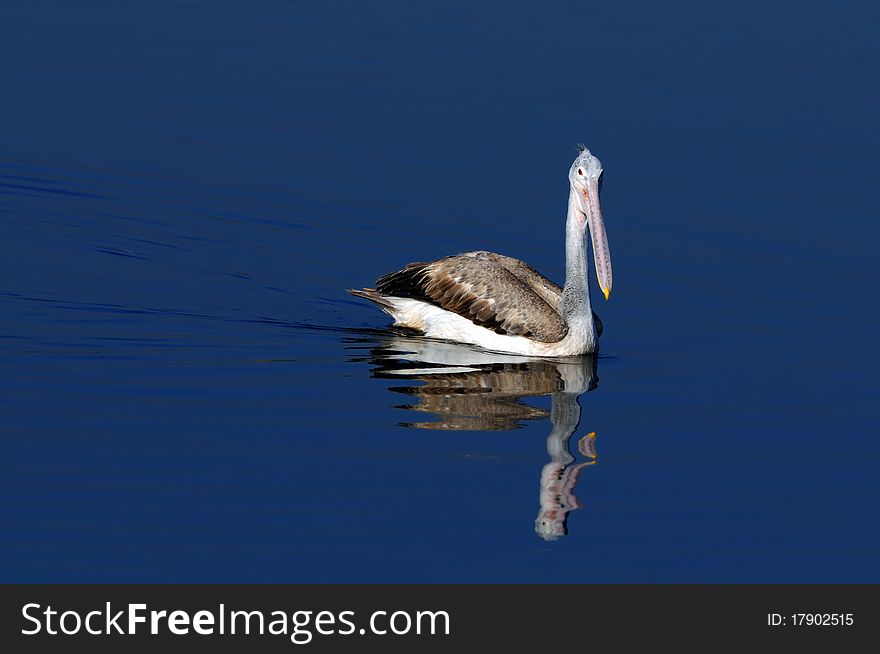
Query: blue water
(188, 394)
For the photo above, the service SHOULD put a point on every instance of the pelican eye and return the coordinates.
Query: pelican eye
(580, 172)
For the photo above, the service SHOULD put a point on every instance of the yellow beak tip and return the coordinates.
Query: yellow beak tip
(607, 293)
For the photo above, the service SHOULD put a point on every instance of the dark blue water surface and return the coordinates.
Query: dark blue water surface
(187, 393)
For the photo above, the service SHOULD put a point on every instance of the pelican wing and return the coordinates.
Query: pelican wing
(549, 291)
(479, 287)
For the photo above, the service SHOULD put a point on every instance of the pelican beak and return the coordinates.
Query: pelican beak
(601, 253)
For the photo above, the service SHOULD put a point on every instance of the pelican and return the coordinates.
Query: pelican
(502, 304)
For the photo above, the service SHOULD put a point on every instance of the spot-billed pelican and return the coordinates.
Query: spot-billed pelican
(502, 304)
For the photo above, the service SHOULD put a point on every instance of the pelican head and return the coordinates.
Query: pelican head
(584, 177)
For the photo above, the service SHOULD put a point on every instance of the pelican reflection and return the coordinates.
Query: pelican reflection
(468, 389)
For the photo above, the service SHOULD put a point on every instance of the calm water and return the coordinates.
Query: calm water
(188, 394)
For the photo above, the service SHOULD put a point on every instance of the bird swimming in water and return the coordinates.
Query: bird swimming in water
(503, 304)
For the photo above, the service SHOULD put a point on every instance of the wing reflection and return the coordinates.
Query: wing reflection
(465, 389)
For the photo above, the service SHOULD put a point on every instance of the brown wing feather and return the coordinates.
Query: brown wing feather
(549, 291)
(482, 290)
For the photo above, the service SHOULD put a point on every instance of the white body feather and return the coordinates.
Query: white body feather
(436, 322)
